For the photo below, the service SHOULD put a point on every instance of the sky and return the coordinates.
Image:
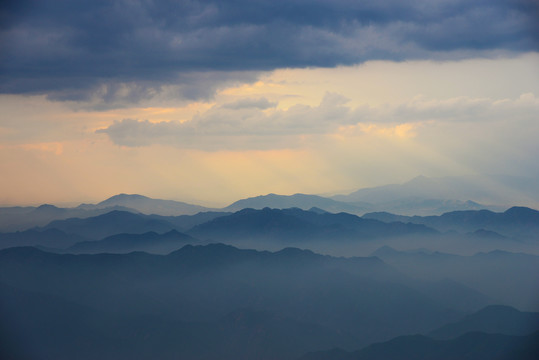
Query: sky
(212, 101)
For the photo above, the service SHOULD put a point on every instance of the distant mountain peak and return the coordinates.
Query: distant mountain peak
(294, 251)
(521, 210)
(46, 206)
(123, 196)
(385, 250)
(149, 205)
(49, 209)
(298, 200)
(419, 178)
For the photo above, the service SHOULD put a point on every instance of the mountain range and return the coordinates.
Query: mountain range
(24, 218)
(301, 201)
(474, 231)
(51, 238)
(150, 242)
(147, 205)
(431, 195)
(419, 270)
(419, 196)
(296, 226)
(363, 299)
(520, 222)
(217, 301)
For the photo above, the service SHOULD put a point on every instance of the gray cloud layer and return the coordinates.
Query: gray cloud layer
(221, 126)
(79, 49)
(231, 126)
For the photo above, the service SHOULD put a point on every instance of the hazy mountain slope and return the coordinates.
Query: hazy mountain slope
(301, 201)
(482, 190)
(150, 242)
(149, 206)
(452, 294)
(494, 319)
(114, 222)
(503, 276)
(23, 218)
(434, 196)
(40, 326)
(421, 187)
(362, 297)
(476, 345)
(52, 238)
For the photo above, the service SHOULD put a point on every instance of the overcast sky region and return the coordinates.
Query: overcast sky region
(212, 101)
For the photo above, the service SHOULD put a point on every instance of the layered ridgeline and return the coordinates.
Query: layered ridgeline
(465, 232)
(433, 196)
(517, 222)
(419, 196)
(209, 302)
(280, 227)
(220, 302)
(150, 242)
(23, 218)
(503, 276)
(140, 278)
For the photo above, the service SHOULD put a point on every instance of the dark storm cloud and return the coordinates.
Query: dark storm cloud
(76, 50)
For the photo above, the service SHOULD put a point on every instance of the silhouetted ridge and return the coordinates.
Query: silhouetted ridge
(519, 222)
(148, 205)
(212, 255)
(123, 197)
(523, 214)
(23, 251)
(111, 223)
(301, 201)
(151, 242)
(295, 252)
(48, 207)
(294, 224)
(51, 238)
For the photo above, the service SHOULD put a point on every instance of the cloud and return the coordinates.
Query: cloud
(459, 109)
(248, 124)
(120, 51)
(261, 104)
(222, 126)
